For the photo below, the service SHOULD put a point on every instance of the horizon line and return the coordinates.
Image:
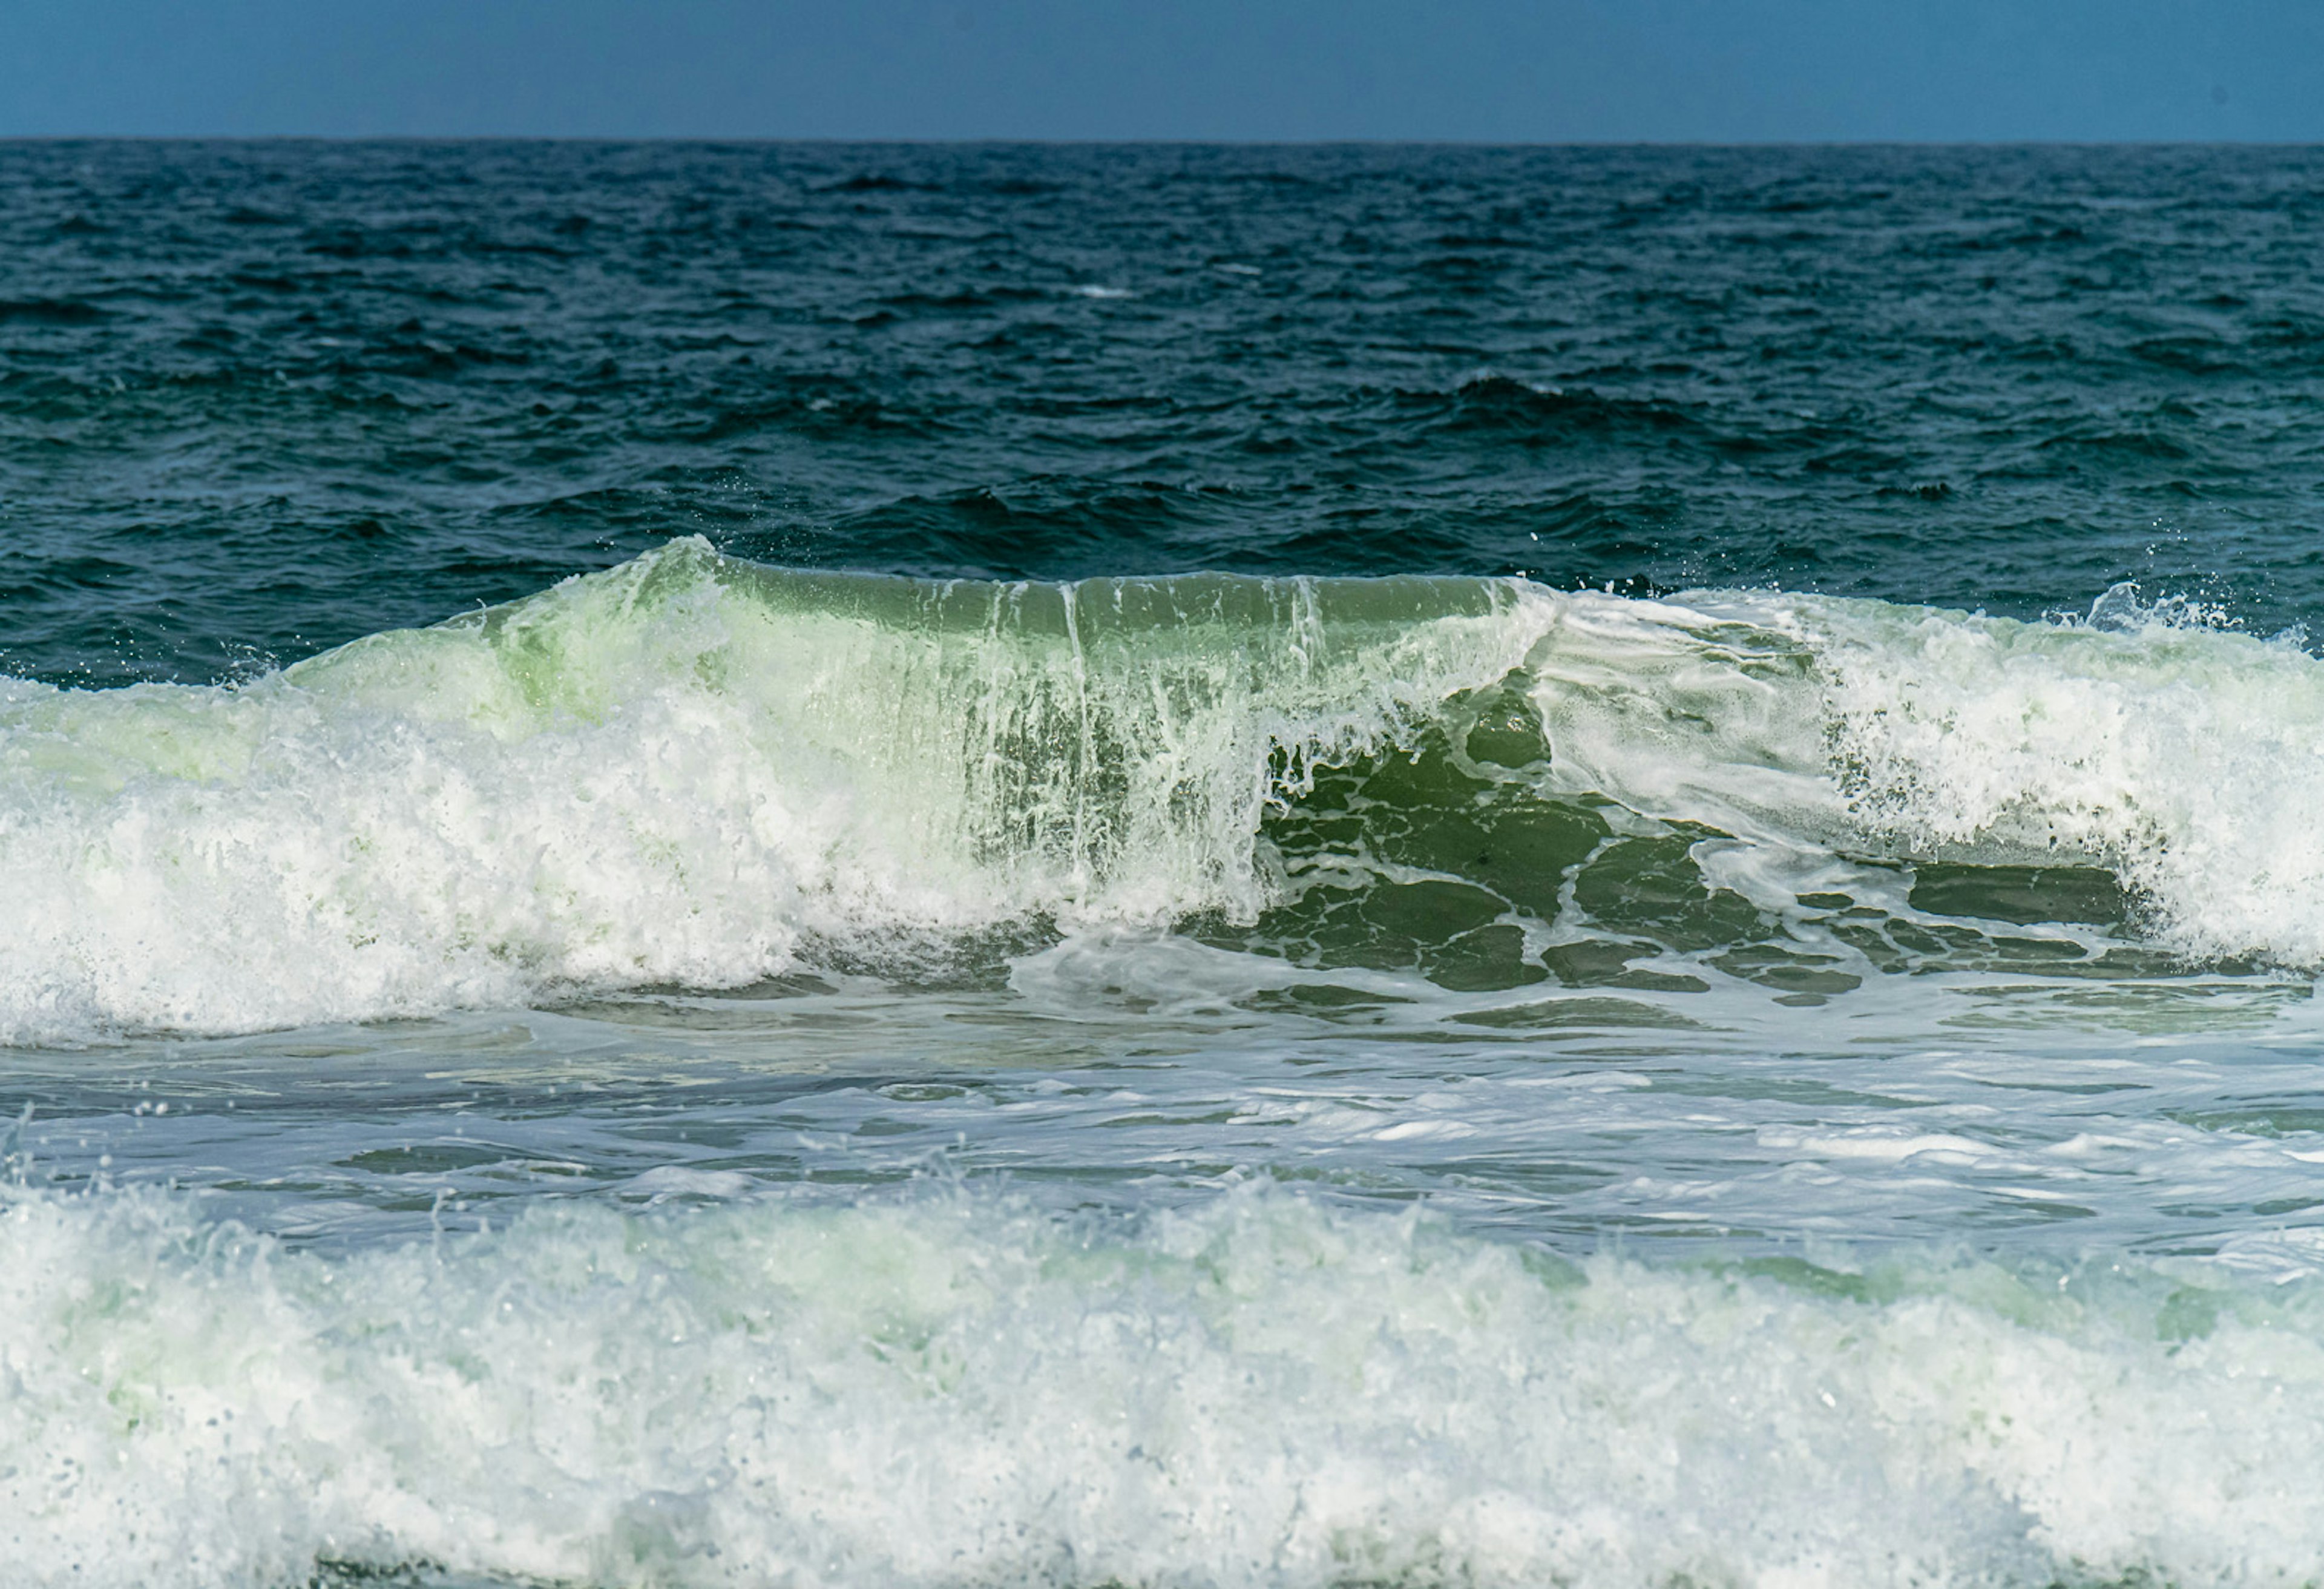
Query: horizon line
(770, 139)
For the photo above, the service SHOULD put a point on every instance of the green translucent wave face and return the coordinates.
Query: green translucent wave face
(700, 771)
(692, 769)
(1451, 858)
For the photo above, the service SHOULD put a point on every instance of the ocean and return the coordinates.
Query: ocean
(858, 867)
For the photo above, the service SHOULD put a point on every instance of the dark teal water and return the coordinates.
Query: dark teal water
(1276, 867)
(262, 399)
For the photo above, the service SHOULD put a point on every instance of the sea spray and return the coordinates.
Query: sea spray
(692, 769)
(673, 772)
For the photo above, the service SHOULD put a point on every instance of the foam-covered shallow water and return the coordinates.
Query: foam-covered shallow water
(950, 1386)
(1580, 867)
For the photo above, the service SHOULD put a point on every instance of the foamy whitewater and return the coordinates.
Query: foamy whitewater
(693, 772)
(933, 868)
(952, 1388)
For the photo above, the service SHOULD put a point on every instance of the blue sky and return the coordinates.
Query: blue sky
(1525, 70)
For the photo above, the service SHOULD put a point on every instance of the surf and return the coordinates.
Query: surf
(942, 1387)
(698, 772)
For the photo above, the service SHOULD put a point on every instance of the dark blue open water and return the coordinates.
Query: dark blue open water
(847, 866)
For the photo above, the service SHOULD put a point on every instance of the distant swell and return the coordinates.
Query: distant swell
(691, 769)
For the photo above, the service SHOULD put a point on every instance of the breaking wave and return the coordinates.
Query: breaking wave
(697, 771)
(947, 1388)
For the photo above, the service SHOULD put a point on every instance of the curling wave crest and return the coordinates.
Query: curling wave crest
(692, 769)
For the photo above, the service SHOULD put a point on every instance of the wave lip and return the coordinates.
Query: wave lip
(686, 769)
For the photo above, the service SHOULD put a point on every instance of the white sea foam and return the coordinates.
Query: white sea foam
(953, 1389)
(2189, 759)
(681, 769)
(673, 772)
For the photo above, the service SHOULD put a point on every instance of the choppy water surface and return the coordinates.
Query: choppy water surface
(955, 865)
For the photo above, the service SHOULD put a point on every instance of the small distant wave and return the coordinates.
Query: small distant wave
(692, 770)
(48, 311)
(1542, 414)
